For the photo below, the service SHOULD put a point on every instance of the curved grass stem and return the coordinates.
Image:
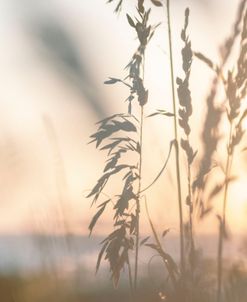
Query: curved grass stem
(157, 240)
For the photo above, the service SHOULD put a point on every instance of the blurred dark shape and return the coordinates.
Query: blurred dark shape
(225, 49)
(210, 138)
(236, 285)
(13, 161)
(210, 134)
(60, 176)
(118, 7)
(56, 45)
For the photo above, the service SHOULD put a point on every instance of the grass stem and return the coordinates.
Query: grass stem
(182, 258)
(223, 222)
(130, 279)
(138, 205)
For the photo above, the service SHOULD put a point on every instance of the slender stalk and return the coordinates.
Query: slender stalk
(130, 279)
(171, 274)
(182, 258)
(223, 223)
(191, 232)
(191, 205)
(138, 205)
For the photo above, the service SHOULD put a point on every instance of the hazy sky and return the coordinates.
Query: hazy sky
(54, 58)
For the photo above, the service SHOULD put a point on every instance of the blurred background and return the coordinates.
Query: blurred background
(55, 56)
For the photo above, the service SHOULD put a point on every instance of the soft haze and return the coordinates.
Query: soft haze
(54, 58)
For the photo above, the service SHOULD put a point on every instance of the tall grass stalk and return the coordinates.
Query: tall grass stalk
(191, 228)
(114, 133)
(184, 113)
(130, 279)
(138, 205)
(139, 190)
(223, 222)
(236, 90)
(181, 223)
(122, 134)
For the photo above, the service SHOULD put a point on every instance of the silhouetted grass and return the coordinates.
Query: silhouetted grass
(189, 280)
